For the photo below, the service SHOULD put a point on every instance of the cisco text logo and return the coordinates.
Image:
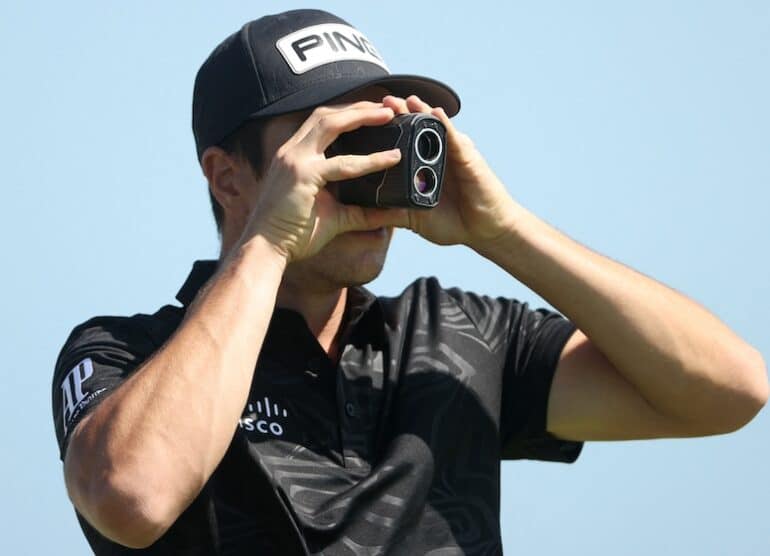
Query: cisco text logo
(263, 416)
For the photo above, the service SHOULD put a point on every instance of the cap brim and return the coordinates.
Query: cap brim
(433, 92)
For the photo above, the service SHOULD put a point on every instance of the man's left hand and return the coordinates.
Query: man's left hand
(475, 207)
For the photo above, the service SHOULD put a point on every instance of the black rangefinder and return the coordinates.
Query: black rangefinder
(415, 182)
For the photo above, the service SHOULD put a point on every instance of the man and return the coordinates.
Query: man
(284, 409)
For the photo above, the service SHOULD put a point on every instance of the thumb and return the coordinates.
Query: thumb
(354, 218)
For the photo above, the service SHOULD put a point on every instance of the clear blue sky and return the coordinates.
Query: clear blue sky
(639, 128)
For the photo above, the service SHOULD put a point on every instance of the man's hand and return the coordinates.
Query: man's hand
(475, 207)
(125, 473)
(622, 375)
(294, 212)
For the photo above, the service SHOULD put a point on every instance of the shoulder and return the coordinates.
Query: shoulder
(428, 297)
(419, 296)
(428, 290)
(138, 333)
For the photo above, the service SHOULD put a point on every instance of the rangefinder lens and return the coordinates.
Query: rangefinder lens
(428, 145)
(425, 181)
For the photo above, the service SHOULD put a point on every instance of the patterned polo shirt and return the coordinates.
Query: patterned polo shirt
(395, 450)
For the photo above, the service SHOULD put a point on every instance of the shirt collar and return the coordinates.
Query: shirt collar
(360, 300)
(201, 272)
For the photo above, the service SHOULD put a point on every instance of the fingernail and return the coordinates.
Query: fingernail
(394, 154)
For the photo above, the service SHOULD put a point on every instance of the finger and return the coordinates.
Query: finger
(450, 128)
(356, 105)
(416, 104)
(398, 104)
(323, 111)
(360, 219)
(349, 166)
(329, 126)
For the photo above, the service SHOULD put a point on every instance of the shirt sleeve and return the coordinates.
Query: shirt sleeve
(536, 342)
(98, 356)
(530, 342)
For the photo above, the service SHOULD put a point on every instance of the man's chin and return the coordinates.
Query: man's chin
(329, 279)
(361, 276)
(354, 271)
(349, 261)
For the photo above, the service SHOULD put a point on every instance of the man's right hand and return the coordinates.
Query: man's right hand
(126, 473)
(294, 211)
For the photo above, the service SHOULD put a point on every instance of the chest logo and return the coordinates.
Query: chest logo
(263, 416)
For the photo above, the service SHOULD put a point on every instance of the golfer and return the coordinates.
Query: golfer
(282, 408)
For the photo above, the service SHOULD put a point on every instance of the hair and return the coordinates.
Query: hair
(245, 142)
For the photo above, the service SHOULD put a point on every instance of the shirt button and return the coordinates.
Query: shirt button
(350, 409)
(314, 366)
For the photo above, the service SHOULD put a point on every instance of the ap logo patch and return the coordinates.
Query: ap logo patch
(74, 397)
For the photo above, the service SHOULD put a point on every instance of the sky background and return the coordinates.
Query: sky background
(641, 129)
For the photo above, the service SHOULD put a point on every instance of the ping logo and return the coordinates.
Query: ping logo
(74, 399)
(265, 419)
(322, 44)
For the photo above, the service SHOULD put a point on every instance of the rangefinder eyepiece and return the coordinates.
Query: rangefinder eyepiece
(428, 145)
(415, 182)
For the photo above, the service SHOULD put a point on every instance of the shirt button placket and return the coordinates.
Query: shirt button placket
(325, 429)
(314, 367)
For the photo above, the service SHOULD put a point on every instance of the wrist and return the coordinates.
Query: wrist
(502, 231)
(519, 243)
(528, 250)
(260, 253)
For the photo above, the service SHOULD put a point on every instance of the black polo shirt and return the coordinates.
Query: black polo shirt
(395, 450)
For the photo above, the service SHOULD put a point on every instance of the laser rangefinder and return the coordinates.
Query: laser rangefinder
(415, 182)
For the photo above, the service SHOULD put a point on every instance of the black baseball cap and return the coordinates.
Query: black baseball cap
(292, 61)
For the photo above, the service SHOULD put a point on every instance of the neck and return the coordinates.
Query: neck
(323, 312)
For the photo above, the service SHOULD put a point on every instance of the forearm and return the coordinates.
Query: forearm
(157, 438)
(681, 358)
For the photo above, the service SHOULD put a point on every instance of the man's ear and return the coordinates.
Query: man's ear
(220, 169)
